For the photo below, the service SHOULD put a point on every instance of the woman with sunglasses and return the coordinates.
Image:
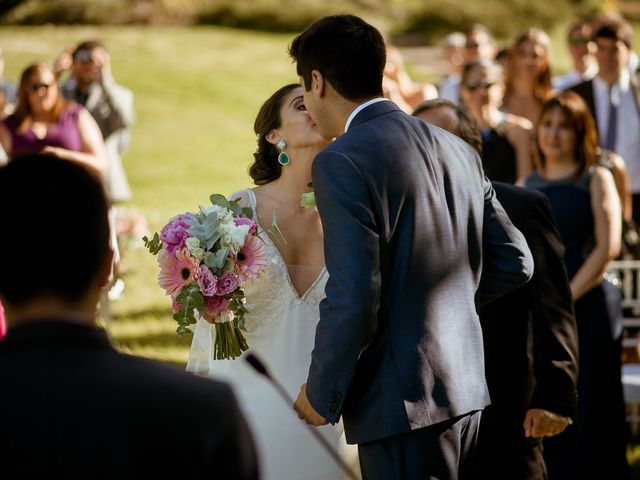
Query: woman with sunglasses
(45, 121)
(528, 83)
(506, 138)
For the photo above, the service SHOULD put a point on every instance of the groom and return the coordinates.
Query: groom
(410, 224)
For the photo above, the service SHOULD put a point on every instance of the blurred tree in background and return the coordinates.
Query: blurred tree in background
(416, 21)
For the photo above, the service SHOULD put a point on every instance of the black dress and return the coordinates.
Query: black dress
(595, 446)
(498, 156)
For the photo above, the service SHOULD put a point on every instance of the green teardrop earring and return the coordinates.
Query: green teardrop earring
(283, 158)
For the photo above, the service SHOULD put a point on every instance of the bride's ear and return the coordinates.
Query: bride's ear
(273, 137)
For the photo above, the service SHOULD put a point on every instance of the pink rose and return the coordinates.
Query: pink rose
(227, 283)
(207, 282)
(174, 233)
(214, 306)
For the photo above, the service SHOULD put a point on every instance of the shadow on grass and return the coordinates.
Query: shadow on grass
(157, 312)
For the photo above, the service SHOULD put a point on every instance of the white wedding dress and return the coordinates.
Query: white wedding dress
(280, 330)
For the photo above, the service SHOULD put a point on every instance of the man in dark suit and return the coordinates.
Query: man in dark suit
(530, 335)
(613, 96)
(72, 407)
(409, 224)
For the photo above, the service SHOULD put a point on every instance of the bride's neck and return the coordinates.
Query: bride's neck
(295, 177)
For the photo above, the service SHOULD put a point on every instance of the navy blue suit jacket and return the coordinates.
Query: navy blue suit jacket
(410, 223)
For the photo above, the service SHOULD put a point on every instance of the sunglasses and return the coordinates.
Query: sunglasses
(473, 86)
(39, 87)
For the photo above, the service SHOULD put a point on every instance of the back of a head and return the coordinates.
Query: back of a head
(56, 230)
(456, 119)
(350, 54)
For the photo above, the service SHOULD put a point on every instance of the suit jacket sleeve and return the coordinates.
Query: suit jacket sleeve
(555, 347)
(506, 258)
(348, 316)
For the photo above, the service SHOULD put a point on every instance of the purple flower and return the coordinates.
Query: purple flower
(207, 282)
(227, 283)
(246, 221)
(174, 233)
(214, 306)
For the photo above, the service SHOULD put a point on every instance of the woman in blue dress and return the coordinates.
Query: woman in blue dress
(587, 210)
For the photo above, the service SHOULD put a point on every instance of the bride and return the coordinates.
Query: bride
(283, 302)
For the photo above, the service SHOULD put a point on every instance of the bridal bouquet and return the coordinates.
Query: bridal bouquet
(205, 258)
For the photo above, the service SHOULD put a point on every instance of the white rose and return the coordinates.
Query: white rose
(233, 236)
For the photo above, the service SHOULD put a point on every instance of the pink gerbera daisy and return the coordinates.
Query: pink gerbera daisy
(250, 259)
(177, 270)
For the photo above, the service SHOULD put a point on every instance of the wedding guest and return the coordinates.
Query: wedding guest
(612, 97)
(398, 85)
(72, 406)
(582, 50)
(401, 203)
(92, 85)
(529, 78)
(453, 50)
(506, 138)
(585, 205)
(45, 121)
(479, 45)
(531, 360)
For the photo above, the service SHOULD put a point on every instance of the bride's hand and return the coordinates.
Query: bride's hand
(305, 411)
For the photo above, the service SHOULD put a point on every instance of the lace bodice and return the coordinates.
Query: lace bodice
(272, 294)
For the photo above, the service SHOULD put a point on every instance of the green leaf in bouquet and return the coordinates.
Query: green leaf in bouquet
(236, 209)
(189, 299)
(247, 212)
(205, 227)
(215, 261)
(220, 200)
(274, 229)
(154, 245)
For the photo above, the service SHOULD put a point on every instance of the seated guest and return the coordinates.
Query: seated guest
(72, 406)
(530, 336)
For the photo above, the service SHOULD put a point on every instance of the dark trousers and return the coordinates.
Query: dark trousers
(441, 451)
(635, 205)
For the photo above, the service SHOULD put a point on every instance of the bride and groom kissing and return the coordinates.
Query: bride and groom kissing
(414, 240)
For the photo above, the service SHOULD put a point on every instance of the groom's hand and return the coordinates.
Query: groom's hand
(543, 423)
(305, 411)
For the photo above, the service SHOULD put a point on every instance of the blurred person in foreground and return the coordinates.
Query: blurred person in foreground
(413, 236)
(91, 84)
(530, 337)
(72, 406)
(586, 207)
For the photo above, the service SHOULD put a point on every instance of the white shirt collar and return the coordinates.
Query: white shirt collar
(361, 107)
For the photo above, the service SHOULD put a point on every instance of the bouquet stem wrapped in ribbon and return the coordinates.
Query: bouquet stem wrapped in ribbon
(205, 258)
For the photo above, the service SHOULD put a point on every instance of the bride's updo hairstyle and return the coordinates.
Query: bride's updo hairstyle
(265, 167)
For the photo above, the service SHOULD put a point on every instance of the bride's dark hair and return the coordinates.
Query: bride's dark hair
(265, 167)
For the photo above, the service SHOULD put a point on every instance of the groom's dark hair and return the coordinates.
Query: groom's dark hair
(55, 229)
(349, 53)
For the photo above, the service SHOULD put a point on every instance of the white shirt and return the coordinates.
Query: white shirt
(563, 82)
(628, 121)
(449, 88)
(361, 107)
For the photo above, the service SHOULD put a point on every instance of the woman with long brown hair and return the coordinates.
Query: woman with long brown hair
(45, 121)
(528, 81)
(586, 206)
